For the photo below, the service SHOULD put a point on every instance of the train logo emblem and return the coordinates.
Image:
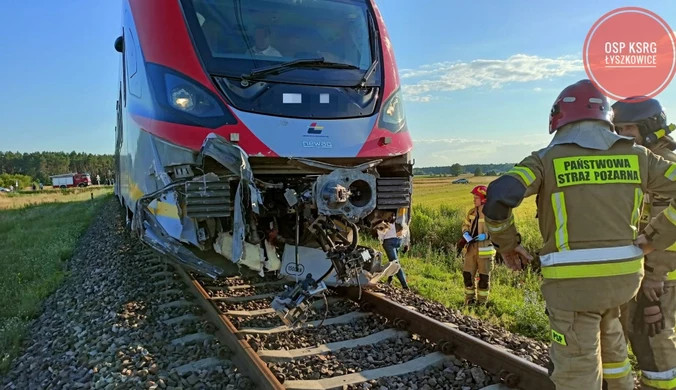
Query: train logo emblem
(314, 128)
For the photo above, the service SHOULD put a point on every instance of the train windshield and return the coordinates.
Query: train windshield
(234, 37)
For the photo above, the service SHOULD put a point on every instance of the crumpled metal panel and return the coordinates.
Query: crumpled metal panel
(236, 160)
(154, 235)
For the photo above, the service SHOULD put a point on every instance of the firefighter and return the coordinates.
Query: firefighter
(646, 122)
(590, 184)
(480, 253)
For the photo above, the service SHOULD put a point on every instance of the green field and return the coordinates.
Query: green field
(435, 272)
(38, 232)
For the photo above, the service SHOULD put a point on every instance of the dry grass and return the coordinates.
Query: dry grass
(31, 198)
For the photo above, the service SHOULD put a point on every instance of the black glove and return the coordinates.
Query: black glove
(648, 318)
(405, 249)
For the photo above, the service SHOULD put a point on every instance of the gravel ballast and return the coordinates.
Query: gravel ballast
(451, 374)
(309, 338)
(351, 360)
(103, 328)
(524, 347)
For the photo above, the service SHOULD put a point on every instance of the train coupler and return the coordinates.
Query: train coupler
(294, 304)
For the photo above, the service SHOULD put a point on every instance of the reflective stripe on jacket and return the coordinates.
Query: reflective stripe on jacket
(660, 265)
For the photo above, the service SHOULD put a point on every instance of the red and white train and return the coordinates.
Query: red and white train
(264, 133)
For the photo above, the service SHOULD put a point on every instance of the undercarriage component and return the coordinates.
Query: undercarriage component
(247, 197)
(208, 199)
(347, 259)
(393, 192)
(182, 171)
(205, 198)
(153, 234)
(294, 303)
(345, 192)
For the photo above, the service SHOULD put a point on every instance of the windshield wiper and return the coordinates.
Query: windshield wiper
(299, 63)
(369, 72)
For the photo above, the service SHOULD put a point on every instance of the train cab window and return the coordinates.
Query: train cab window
(235, 36)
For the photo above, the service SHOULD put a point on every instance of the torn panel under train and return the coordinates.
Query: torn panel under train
(314, 261)
(166, 210)
(174, 249)
(236, 160)
(254, 256)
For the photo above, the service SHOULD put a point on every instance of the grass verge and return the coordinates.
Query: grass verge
(435, 271)
(35, 241)
(14, 200)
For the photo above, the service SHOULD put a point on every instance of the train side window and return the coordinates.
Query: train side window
(130, 49)
(132, 65)
(124, 72)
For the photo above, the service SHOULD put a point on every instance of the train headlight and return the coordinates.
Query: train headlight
(190, 97)
(392, 115)
(182, 99)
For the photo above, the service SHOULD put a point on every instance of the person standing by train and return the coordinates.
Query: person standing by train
(480, 254)
(392, 240)
(590, 183)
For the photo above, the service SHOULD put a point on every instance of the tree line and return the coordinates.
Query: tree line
(37, 167)
(457, 169)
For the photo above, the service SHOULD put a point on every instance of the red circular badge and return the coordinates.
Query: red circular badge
(630, 51)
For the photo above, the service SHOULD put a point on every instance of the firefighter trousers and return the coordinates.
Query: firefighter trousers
(624, 320)
(472, 264)
(656, 355)
(588, 349)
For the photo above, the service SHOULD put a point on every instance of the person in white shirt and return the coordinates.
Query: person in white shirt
(262, 46)
(392, 241)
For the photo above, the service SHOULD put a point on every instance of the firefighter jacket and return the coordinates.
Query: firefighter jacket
(660, 265)
(591, 184)
(475, 224)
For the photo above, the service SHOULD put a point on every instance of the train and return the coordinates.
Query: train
(269, 133)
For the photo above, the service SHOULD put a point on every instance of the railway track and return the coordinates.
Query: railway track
(127, 318)
(361, 340)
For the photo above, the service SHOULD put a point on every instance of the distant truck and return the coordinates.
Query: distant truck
(71, 180)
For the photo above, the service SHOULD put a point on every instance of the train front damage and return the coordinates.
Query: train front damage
(272, 134)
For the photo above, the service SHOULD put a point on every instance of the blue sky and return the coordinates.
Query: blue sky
(59, 72)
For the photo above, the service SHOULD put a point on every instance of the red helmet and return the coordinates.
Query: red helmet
(579, 101)
(480, 191)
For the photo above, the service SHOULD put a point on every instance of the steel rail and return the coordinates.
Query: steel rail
(244, 357)
(512, 370)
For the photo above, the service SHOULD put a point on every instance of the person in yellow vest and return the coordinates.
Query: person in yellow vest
(479, 252)
(590, 184)
(645, 121)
